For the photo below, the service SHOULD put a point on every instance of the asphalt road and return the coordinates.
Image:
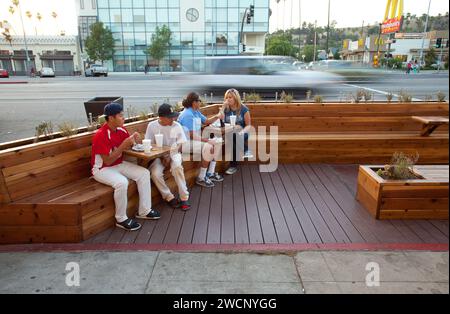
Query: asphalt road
(61, 99)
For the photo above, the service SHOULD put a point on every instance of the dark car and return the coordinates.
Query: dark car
(4, 73)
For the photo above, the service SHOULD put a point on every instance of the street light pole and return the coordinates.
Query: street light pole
(424, 34)
(328, 27)
(299, 28)
(315, 40)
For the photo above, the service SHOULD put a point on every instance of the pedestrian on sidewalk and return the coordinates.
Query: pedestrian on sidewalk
(409, 67)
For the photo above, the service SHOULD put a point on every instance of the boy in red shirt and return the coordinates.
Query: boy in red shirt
(109, 168)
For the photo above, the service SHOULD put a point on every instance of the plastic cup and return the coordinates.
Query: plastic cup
(233, 120)
(147, 146)
(159, 138)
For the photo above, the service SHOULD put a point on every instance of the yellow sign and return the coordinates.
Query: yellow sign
(393, 17)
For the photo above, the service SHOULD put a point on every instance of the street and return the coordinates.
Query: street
(61, 99)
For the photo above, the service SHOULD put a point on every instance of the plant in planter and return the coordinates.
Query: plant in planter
(178, 106)
(308, 95)
(389, 97)
(405, 97)
(252, 97)
(286, 98)
(143, 116)
(318, 99)
(67, 129)
(428, 98)
(45, 128)
(441, 96)
(359, 95)
(154, 107)
(368, 96)
(400, 168)
(131, 112)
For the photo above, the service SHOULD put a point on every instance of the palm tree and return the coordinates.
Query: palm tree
(39, 18)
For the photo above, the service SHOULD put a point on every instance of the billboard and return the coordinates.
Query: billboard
(393, 17)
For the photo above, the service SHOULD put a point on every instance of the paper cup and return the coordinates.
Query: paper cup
(233, 120)
(147, 146)
(159, 138)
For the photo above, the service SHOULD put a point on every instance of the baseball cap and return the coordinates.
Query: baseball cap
(112, 109)
(166, 111)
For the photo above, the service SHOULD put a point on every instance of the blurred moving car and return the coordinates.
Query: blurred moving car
(265, 75)
(96, 70)
(47, 72)
(4, 73)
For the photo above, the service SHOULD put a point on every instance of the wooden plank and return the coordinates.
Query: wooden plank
(441, 226)
(414, 191)
(227, 229)
(201, 223)
(240, 212)
(146, 232)
(4, 194)
(321, 226)
(295, 228)
(384, 231)
(117, 235)
(187, 230)
(414, 214)
(162, 224)
(173, 231)
(367, 201)
(40, 234)
(356, 232)
(411, 236)
(412, 204)
(267, 225)
(435, 233)
(328, 216)
(420, 231)
(215, 215)
(40, 215)
(253, 219)
(279, 221)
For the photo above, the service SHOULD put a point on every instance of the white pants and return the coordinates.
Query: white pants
(117, 177)
(176, 168)
(193, 147)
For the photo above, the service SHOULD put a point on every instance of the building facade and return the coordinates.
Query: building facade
(199, 28)
(61, 53)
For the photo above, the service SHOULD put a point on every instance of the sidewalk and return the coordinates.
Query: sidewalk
(152, 272)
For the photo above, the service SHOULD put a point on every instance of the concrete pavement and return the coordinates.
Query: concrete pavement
(310, 272)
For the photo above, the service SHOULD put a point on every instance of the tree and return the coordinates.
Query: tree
(160, 44)
(100, 43)
(280, 45)
(430, 57)
(308, 52)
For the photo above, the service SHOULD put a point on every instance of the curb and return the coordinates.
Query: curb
(20, 82)
(223, 248)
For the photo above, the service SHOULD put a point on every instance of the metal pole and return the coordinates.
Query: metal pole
(328, 27)
(440, 56)
(25, 39)
(242, 29)
(299, 28)
(315, 41)
(424, 34)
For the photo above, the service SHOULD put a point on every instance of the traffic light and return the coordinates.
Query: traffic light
(252, 10)
(244, 48)
(249, 19)
(439, 43)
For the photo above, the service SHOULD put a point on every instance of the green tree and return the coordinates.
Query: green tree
(430, 57)
(280, 45)
(308, 52)
(160, 45)
(100, 43)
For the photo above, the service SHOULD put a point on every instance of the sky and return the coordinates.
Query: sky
(346, 12)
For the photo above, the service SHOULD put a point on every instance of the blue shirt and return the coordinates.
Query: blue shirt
(240, 120)
(191, 120)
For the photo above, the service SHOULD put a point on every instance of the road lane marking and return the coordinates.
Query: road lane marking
(379, 91)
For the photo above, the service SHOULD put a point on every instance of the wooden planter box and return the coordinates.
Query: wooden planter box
(410, 199)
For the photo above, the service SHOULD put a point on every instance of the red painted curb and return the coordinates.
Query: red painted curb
(13, 82)
(237, 248)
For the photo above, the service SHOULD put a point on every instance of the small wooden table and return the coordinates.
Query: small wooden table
(144, 159)
(430, 124)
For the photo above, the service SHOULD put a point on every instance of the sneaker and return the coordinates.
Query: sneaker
(206, 182)
(152, 215)
(185, 206)
(248, 154)
(174, 203)
(231, 170)
(215, 177)
(129, 225)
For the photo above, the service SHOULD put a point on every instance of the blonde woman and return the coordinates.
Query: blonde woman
(233, 106)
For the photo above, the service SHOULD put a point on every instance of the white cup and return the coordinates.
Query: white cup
(147, 146)
(159, 138)
(233, 120)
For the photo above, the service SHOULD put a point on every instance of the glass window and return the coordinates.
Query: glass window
(128, 39)
(150, 3)
(162, 15)
(233, 38)
(102, 3)
(233, 15)
(186, 39)
(138, 18)
(208, 15)
(221, 39)
(199, 39)
(245, 3)
(150, 15)
(103, 15)
(127, 15)
(139, 27)
(175, 39)
(174, 27)
(138, 3)
(174, 3)
(208, 3)
(174, 15)
(116, 27)
(261, 15)
(116, 17)
(82, 4)
(150, 27)
(114, 3)
(221, 27)
(222, 3)
(222, 15)
(127, 3)
(233, 3)
(140, 39)
(161, 3)
(127, 27)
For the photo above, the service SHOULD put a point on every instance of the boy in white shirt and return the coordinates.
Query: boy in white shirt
(173, 136)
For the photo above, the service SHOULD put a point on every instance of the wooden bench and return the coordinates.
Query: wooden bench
(430, 124)
(47, 193)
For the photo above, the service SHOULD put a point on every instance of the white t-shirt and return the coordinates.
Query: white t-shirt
(173, 134)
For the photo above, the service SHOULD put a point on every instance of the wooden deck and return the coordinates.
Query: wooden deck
(297, 204)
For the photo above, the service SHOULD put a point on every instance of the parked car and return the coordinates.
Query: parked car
(96, 70)
(47, 72)
(4, 73)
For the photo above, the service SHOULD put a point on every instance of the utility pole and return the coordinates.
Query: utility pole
(328, 27)
(299, 28)
(315, 40)
(424, 34)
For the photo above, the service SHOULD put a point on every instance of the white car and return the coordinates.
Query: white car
(96, 70)
(47, 72)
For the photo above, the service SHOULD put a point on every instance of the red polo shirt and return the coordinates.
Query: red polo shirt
(105, 142)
